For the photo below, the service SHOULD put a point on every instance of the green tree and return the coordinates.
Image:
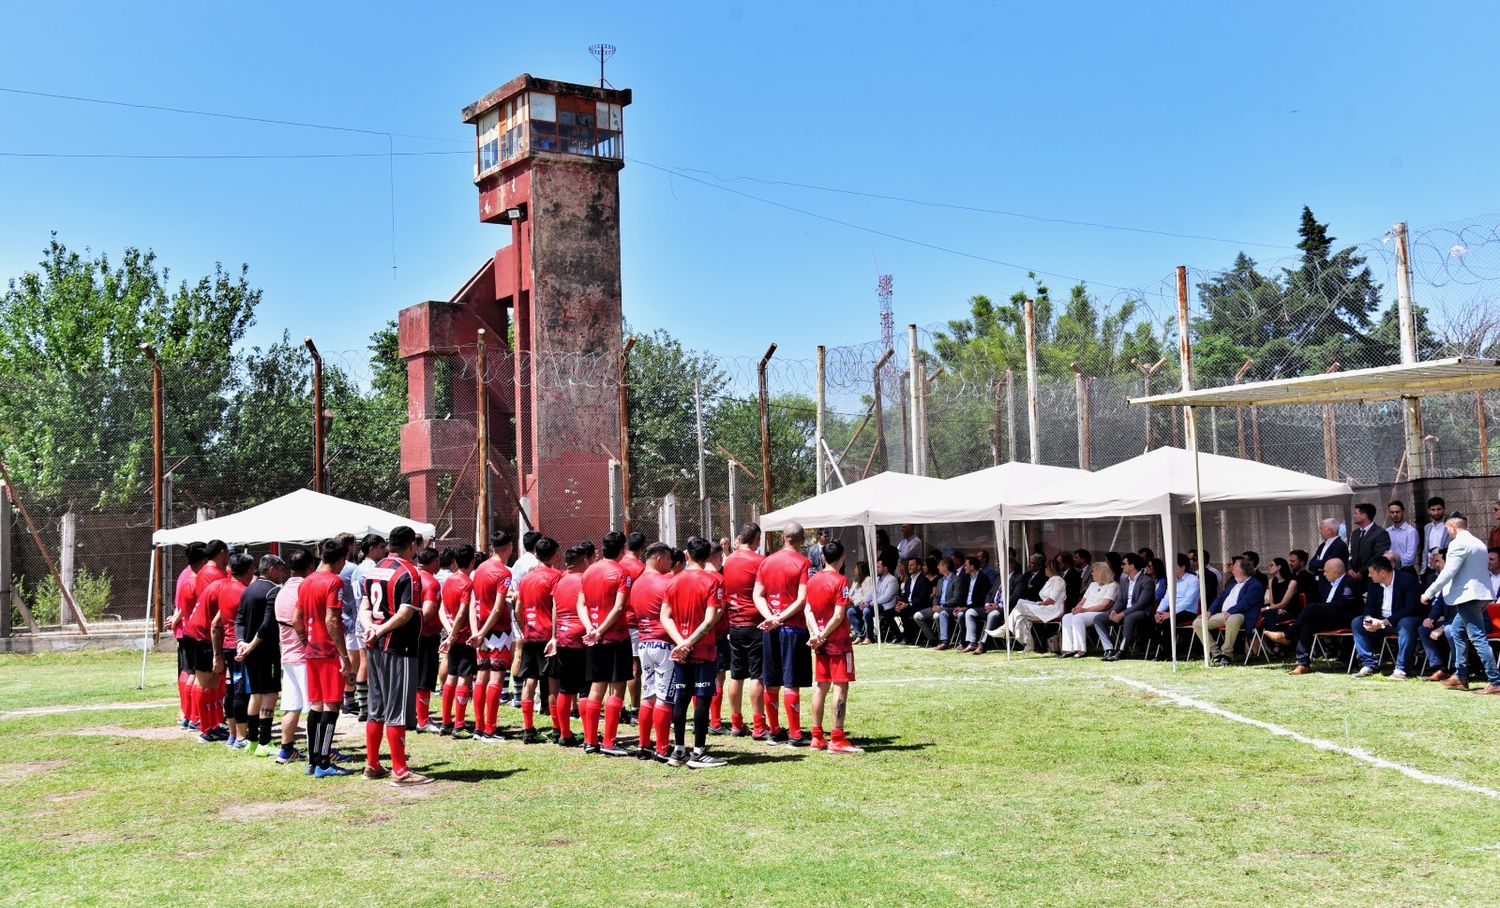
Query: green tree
(792, 422)
(663, 421)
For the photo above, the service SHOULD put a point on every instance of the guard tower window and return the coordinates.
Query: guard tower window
(489, 140)
(502, 134)
(574, 125)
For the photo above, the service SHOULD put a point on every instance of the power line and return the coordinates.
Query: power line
(225, 157)
(683, 171)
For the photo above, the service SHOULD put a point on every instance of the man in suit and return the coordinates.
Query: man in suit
(1076, 579)
(947, 594)
(1329, 546)
(1209, 579)
(1391, 607)
(1334, 606)
(973, 596)
(1464, 583)
(1235, 608)
(1366, 541)
(1030, 586)
(1435, 533)
(918, 598)
(1135, 602)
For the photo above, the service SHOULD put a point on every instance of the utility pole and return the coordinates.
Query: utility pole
(1416, 452)
(1010, 415)
(482, 439)
(702, 475)
(158, 496)
(1146, 373)
(913, 379)
(319, 480)
(881, 452)
(1032, 417)
(1185, 354)
(1331, 443)
(1239, 412)
(623, 382)
(818, 426)
(1081, 392)
(765, 433)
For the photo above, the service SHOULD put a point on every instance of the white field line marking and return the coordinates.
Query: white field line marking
(984, 679)
(91, 707)
(1358, 753)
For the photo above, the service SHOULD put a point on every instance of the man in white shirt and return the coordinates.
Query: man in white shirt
(1403, 535)
(1465, 584)
(910, 545)
(1435, 534)
(887, 594)
(1494, 565)
(1187, 604)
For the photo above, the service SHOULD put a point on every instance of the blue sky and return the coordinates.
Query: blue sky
(1218, 120)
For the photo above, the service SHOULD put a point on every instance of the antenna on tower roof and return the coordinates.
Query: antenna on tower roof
(603, 52)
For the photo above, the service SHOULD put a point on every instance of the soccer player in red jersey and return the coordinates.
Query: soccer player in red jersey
(601, 607)
(745, 646)
(462, 659)
(786, 662)
(565, 654)
(319, 623)
(688, 614)
(207, 697)
(534, 614)
(186, 592)
(224, 600)
(657, 667)
(490, 622)
(828, 629)
(430, 641)
(631, 563)
(391, 615)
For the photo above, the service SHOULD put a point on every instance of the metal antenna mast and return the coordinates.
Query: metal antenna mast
(603, 52)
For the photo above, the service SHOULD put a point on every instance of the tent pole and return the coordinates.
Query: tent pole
(1185, 352)
(146, 638)
(1005, 583)
(873, 556)
(1170, 538)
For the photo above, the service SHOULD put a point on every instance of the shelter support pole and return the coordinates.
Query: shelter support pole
(1185, 355)
(881, 452)
(765, 434)
(624, 384)
(1416, 452)
(1002, 555)
(819, 471)
(872, 556)
(1032, 416)
(1169, 544)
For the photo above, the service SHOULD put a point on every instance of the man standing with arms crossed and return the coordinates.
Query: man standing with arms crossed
(392, 619)
(463, 661)
(691, 609)
(786, 662)
(226, 596)
(745, 620)
(828, 626)
(601, 608)
(632, 564)
(259, 649)
(430, 641)
(491, 625)
(657, 667)
(293, 654)
(320, 629)
(534, 616)
(565, 653)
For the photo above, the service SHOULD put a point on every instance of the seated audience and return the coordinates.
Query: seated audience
(1237, 606)
(861, 602)
(887, 598)
(1134, 605)
(1329, 546)
(1284, 597)
(1046, 606)
(1391, 607)
(1099, 597)
(1334, 607)
(974, 593)
(1185, 608)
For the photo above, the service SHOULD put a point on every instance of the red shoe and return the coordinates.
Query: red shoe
(842, 746)
(819, 743)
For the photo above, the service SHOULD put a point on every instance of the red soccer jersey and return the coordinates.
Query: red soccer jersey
(781, 574)
(825, 591)
(319, 594)
(645, 603)
(565, 601)
(389, 587)
(187, 591)
(491, 586)
(534, 598)
(602, 584)
(635, 567)
(691, 594)
(227, 596)
(739, 587)
(197, 622)
(432, 591)
(456, 591)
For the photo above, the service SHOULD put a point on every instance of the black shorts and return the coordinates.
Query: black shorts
(184, 655)
(533, 661)
(201, 654)
(236, 692)
(722, 646)
(745, 650)
(787, 658)
(692, 679)
(264, 673)
(610, 662)
(569, 670)
(463, 661)
(427, 662)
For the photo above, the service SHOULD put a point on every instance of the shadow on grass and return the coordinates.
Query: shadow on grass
(782, 755)
(888, 743)
(475, 775)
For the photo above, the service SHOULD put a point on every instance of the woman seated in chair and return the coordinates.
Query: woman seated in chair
(1283, 601)
(1099, 597)
(861, 603)
(1047, 607)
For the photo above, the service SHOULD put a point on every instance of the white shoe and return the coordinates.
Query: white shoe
(1364, 672)
(1398, 675)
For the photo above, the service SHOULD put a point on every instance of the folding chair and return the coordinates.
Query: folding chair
(1321, 636)
(1181, 626)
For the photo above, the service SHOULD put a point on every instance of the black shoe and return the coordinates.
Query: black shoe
(616, 751)
(799, 741)
(660, 757)
(447, 731)
(645, 753)
(702, 759)
(505, 696)
(553, 737)
(741, 732)
(1222, 659)
(591, 749)
(778, 737)
(627, 717)
(462, 734)
(718, 729)
(760, 736)
(678, 757)
(364, 717)
(531, 736)
(470, 727)
(1112, 656)
(571, 741)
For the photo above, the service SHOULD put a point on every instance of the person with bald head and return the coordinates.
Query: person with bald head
(1334, 606)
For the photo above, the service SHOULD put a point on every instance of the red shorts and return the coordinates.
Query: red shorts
(833, 669)
(494, 660)
(325, 681)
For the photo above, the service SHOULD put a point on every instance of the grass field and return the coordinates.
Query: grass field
(1033, 781)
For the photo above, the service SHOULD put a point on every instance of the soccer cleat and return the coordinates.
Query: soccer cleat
(679, 757)
(661, 757)
(702, 759)
(329, 772)
(740, 732)
(570, 741)
(470, 727)
(799, 741)
(183, 723)
(288, 755)
(592, 749)
(251, 748)
(779, 736)
(505, 696)
(645, 753)
(616, 751)
(206, 738)
(265, 750)
(760, 736)
(408, 779)
(531, 736)
(219, 734)
(336, 755)
(718, 730)
(311, 770)
(376, 773)
(819, 743)
(190, 725)
(446, 731)
(480, 735)
(843, 747)
(463, 734)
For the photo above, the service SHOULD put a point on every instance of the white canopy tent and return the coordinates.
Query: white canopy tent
(302, 516)
(1163, 483)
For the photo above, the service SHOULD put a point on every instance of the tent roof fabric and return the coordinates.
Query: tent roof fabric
(1460, 373)
(982, 494)
(1163, 478)
(861, 503)
(302, 516)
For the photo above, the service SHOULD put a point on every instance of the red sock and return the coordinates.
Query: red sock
(528, 710)
(372, 744)
(195, 703)
(395, 735)
(759, 724)
(736, 721)
(643, 725)
(491, 707)
(716, 708)
(461, 702)
(773, 719)
(182, 695)
(612, 707)
(662, 719)
(565, 715)
(448, 691)
(838, 735)
(817, 733)
(424, 708)
(792, 699)
(588, 714)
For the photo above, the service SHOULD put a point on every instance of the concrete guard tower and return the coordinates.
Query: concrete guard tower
(547, 160)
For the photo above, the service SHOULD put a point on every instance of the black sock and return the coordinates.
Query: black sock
(252, 728)
(324, 739)
(265, 730)
(314, 723)
(679, 717)
(362, 698)
(700, 721)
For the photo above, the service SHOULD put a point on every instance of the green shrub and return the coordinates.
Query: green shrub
(92, 592)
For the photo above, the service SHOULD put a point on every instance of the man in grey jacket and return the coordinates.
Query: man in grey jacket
(1135, 603)
(1464, 583)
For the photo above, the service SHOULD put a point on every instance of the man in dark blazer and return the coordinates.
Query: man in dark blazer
(1135, 604)
(1076, 578)
(1366, 540)
(1329, 546)
(1236, 607)
(1392, 606)
(1334, 606)
(1030, 585)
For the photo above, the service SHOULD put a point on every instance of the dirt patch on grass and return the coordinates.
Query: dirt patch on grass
(72, 795)
(271, 810)
(12, 772)
(422, 792)
(153, 733)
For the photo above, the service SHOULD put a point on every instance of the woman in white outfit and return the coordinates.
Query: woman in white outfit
(1099, 596)
(1047, 607)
